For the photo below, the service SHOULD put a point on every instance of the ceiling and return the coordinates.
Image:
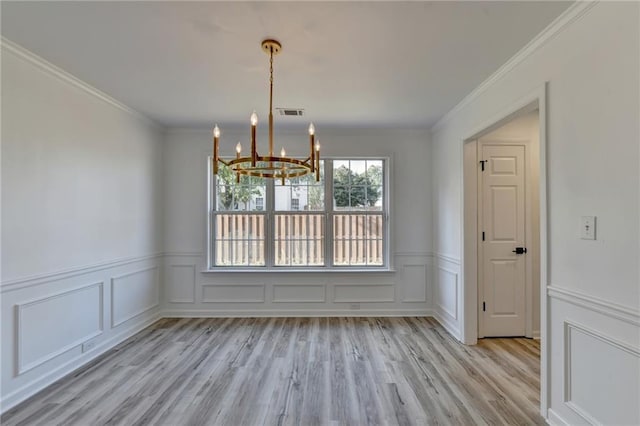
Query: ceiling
(351, 64)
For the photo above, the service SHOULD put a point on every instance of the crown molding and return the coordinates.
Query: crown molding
(11, 47)
(569, 16)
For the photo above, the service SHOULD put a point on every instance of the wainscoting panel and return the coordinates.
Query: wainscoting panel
(415, 283)
(51, 325)
(595, 354)
(447, 293)
(447, 301)
(581, 378)
(363, 293)
(404, 290)
(181, 287)
(133, 294)
(233, 293)
(299, 293)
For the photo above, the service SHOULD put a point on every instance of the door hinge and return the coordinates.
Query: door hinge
(482, 235)
(482, 164)
(484, 306)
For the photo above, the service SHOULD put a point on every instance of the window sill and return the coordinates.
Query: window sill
(223, 270)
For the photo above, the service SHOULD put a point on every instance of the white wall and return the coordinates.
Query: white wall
(81, 223)
(191, 292)
(593, 133)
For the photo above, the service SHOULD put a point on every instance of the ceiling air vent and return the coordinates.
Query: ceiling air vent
(291, 112)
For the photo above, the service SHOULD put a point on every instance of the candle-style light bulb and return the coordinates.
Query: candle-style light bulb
(216, 131)
(239, 148)
(318, 146)
(254, 118)
(312, 129)
(283, 153)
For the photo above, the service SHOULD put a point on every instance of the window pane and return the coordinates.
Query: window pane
(358, 185)
(239, 239)
(374, 172)
(358, 171)
(302, 193)
(234, 196)
(357, 240)
(299, 239)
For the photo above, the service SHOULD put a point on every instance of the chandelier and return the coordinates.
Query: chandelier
(269, 166)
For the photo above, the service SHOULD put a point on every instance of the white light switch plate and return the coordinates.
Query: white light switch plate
(588, 227)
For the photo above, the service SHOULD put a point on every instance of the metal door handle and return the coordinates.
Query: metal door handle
(519, 250)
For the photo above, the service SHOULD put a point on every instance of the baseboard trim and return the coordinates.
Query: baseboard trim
(554, 419)
(37, 385)
(451, 329)
(192, 313)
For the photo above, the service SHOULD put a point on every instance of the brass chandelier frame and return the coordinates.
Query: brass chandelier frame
(269, 166)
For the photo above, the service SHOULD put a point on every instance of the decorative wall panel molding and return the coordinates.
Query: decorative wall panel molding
(299, 293)
(52, 325)
(133, 294)
(447, 290)
(363, 293)
(233, 293)
(415, 284)
(583, 348)
(181, 284)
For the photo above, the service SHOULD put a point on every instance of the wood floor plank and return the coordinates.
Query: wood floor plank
(295, 371)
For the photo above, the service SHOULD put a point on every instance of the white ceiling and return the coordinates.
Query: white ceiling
(189, 64)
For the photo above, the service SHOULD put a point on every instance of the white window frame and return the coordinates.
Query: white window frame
(328, 212)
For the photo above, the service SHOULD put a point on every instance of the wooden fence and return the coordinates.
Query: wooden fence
(299, 239)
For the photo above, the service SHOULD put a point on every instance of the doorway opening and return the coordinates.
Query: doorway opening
(508, 254)
(515, 138)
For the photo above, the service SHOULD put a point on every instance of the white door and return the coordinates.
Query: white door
(502, 268)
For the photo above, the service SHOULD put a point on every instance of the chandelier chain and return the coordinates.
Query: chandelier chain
(271, 81)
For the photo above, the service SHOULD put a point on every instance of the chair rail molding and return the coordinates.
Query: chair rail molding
(24, 282)
(610, 309)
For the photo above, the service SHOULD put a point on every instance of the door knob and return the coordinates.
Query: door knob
(519, 250)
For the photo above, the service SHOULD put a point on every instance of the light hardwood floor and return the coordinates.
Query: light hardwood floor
(296, 371)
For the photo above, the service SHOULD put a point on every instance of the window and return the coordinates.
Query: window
(358, 213)
(338, 222)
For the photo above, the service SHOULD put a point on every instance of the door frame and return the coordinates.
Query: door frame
(535, 100)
